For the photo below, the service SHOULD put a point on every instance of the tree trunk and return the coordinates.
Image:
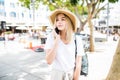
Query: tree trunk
(91, 34)
(114, 73)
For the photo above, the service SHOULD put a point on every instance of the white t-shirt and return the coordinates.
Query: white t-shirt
(65, 53)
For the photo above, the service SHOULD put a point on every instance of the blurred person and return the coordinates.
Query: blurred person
(115, 37)
(2, 35)
(60, 46)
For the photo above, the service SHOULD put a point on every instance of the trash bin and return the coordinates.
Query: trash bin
(43, 40)
(2, 38)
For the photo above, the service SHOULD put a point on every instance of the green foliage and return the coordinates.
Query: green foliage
(60, 3)
(28, 3)
(113, 1)
(74, 2)
(102, 0)
(53, 4)
(51, 7)
(25, 3)
(82, 10)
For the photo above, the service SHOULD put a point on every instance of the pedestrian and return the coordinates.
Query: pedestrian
(60, 46)
(115, 37)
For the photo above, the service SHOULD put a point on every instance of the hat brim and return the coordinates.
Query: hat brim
(66, 12)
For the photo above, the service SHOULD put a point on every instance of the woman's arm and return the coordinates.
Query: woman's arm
(51, 53)
(77, 68)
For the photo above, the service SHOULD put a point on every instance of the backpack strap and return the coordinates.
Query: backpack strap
(75, 46)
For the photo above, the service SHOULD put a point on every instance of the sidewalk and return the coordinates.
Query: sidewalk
(18, 63)
(100, 60)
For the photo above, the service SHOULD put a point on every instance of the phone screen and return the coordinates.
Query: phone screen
(56, 30)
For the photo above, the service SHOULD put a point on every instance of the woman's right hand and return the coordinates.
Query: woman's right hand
(51, 53)
(56, 37)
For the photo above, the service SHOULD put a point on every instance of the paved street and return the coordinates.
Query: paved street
(18, 63)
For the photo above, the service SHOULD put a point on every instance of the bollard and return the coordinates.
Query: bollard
(30, 45)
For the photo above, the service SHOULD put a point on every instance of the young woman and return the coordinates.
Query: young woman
(60, 46)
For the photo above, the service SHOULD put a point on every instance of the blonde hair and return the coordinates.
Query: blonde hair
(69, 31)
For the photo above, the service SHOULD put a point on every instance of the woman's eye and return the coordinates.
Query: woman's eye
(63, 19)
(56, 19)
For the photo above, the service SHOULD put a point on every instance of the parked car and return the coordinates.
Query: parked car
(11, 37)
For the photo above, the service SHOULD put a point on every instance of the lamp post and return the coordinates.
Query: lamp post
(33, 9)
(107, 21)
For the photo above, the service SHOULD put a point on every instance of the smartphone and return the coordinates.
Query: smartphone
(57, 31)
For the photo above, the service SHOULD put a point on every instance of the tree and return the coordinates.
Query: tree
(85, 10)
(114, 73)
(28, 3)
(93, 7)
(115, 67)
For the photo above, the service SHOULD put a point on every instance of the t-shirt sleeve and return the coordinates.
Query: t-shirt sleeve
(49, 42)
(80, 49)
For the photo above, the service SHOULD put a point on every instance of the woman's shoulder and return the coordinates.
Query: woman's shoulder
(78, 37)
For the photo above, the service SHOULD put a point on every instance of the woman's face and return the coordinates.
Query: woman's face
(61, 21)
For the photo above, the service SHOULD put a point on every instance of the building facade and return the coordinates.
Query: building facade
(15, 15)
(109, 18)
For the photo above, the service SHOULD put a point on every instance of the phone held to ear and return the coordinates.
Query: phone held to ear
(57, 31)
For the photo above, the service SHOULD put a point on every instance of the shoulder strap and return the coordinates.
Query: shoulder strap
(75, 47)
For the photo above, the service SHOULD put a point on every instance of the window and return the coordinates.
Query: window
(12, 14)
(12, 5)
(1, 2)
(2, 12)
(30, 16)
(22, 15)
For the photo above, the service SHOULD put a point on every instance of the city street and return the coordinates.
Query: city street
(19, 63)
(25, 25)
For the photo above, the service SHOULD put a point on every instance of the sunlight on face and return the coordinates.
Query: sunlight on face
(61, 21)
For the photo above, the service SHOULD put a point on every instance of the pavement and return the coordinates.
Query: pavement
(20, 63)
(100, 61)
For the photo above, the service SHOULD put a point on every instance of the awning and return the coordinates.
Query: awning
(22, 28)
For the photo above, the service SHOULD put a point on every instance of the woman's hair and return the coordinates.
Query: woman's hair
(69, 27)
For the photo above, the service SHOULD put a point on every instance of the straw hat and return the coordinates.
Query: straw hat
(66, 12)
